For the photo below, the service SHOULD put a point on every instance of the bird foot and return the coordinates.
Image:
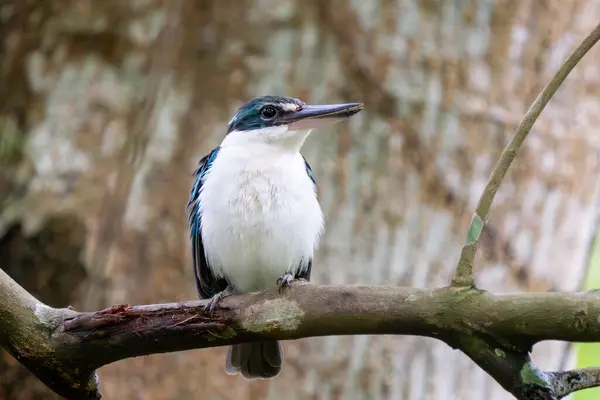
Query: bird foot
(285, 280)
(216, 299)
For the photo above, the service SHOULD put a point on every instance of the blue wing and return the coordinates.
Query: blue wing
(207, 285)
(305, 274)
(309, 172)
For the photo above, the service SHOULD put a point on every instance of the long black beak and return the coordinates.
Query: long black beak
(310, 117)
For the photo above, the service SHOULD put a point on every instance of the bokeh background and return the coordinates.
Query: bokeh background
(107, 105)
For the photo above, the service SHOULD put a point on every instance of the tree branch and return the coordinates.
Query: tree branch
(464, 270)
(27, 332)
(64, 348)
(568, 382)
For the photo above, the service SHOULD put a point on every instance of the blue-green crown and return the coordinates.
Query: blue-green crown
(254, 114)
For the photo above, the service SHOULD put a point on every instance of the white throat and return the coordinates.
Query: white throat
(278, 138)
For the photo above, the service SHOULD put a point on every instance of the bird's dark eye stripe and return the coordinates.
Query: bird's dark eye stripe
(268, 112)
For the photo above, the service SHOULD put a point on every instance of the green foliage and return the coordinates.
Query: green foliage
(531, 375)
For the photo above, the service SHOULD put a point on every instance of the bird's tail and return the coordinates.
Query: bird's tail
(257, 360)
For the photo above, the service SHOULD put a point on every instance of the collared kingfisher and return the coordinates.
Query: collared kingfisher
(254, 217)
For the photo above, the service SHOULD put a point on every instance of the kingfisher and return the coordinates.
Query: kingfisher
(253, 213)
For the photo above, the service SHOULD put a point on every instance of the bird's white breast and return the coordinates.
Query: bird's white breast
(260, 215)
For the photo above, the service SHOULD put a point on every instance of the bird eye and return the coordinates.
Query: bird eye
(268, 112)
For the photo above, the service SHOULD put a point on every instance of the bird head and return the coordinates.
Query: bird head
(284, 122)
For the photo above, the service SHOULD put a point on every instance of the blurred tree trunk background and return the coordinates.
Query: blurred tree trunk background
(106, 106)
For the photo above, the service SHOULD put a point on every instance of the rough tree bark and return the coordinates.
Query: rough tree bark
(64, 348)
(109, 104)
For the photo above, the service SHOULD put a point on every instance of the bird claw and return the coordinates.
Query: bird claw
(213, 303)
(285, 280)
(210, 307)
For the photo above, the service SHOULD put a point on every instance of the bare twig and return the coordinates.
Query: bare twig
(464, 270)
(568, 382)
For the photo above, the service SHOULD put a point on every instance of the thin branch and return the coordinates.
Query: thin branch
(568, 382)
(464, 270)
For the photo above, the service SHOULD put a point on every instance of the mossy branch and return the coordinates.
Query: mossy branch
(64, 348)
(464, 271)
